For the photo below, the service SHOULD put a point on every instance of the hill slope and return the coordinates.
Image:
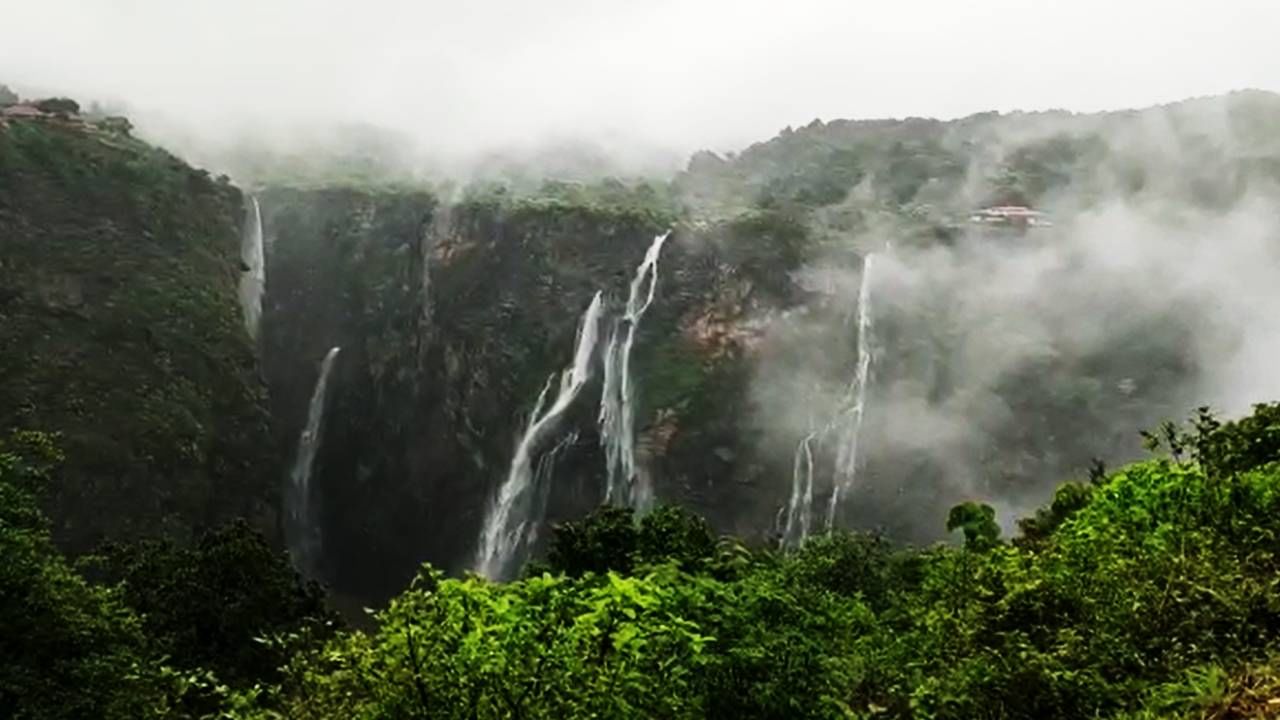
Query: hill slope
(121, 331)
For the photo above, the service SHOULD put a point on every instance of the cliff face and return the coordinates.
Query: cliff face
(999, 363)
(451, 318)
(120, 330)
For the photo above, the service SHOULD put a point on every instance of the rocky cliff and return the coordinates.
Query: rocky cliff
(1001, 359)
(1001, 363)
(451, 317)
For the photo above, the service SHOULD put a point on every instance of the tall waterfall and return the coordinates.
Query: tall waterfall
(850, 422)
(254, 279)
(303, 533)
(617, 401)
(516, 509)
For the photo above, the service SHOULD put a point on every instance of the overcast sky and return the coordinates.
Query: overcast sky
(680, 73)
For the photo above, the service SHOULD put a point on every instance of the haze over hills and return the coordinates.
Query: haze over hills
(844, 422)
(662, 79)
(750, 344)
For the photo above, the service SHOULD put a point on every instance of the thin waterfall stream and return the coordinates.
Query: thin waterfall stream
(617, 401)
(303, 533)
(253, 281)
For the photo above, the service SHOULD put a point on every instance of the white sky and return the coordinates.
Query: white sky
(468, 74)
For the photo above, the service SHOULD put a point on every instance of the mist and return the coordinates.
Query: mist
(1006, 362)
(451, 84)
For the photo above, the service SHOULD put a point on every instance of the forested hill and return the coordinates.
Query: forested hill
(871, 355)
(1204, 151)
(121, 332)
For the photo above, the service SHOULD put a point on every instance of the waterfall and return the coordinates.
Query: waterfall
(254, 279)
(855, 398)
(800, 505)
(303, 533)
(617, 401)
(515, 510)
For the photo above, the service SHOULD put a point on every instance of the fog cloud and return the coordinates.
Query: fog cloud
(472, 76)
(1006, 361)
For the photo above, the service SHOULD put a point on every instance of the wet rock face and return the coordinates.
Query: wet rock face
(442, 362)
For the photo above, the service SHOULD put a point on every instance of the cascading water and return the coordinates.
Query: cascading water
(515, 510)
(850, 421)
(303, 534)
(800, 505)
(617, 401)
(254, 279)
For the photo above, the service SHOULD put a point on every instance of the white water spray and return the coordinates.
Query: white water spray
(303, 532)
(514, 512)
(856, 399)
(254, 279)
(617, 401)
(800, 505)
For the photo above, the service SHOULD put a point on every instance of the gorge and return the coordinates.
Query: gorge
(787, 404)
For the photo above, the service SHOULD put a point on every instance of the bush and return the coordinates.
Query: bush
(59, 106)
(206, 606)
(68, 649)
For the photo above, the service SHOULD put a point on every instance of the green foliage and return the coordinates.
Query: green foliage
(207, 605)
(67, 649)
(546, 647)
(1239, 446)
(673, 373)
(978, 522)
(116, 124)
(1150, 592)
(854, 565)
(610, 539)
(59, 106)
(1034, 171)
(671, 534)
(604, 540)
(1067, 500)
(765, 244)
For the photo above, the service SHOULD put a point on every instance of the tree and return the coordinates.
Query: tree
(116, 124)
(68, 649)
(604, 540)
(611, 539)
(673, 534)
(978, 522)
(7, 96)
(548, 647)
(59, 106)
(207, 605)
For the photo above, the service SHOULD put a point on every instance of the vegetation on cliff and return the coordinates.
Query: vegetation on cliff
(143, 635)
(121, 332)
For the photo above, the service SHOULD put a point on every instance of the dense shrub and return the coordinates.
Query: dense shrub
(1153, 591)
(68, 649)
(206, 606)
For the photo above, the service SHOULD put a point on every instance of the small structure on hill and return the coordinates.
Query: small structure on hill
(1015, 216)
(22, 110)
